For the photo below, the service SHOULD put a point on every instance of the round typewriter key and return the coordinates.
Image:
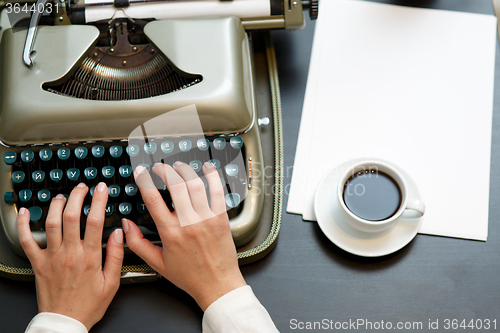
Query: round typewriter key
(90, 172)
(185, 145)
(18, 177)
(215, 163)
(27, 156)
(73, 173)
(56, 174)
(150, 148)
(92, 191)
(63, 153)
(132, 150)
(203, 144)
(232, 200)
(167, 147)
(196, 165)
(25, 195)
(236, 142)
(98, 151)
(219, 144)
(38, 176)
(116, 151)
(231, 170)
(35, 213)
(131, 189)
(109, 210)
(141, 207)
(81, 152)
(86, 210)
(43, 195)
(45, 154)
(9, 157)
(125, 171)
(114, 191)
(108, 171)
(125, 208)
(146, 166)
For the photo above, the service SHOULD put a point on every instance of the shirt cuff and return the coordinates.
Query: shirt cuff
(237, 311)
(48, 322)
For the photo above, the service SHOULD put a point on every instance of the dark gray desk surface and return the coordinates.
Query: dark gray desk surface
(306, 277)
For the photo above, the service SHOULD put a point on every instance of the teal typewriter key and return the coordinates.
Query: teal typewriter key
(236, 142)
(115, 151)
(18, 177)
(98, 151)
(150, 148)
(232, 200)
(45, 154)
(27, 156)
(81, 152)
(63, 153)
(203, 144)
(109, 210)
(231, 170)
(43, 195)
(125, 208)
(141, 207)
(38, 176)
(196, 165)
(8, 197)
(9, 157)
(35, 213)
(132, 150)
(167, 147)
(92, 191)
(56, 174)
(108, 171)
(90, 172)
(25, 195)
(86, 210)
(131, 189)
(215, 163)
(146, 166)
(219, 144)
(73, 173)
(185, 145)
(114, 191)
(125, 171)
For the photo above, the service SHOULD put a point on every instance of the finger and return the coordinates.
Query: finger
(95, 219)
(217, 200)
(178, 192)
(196, 189)
(72, 212)
(53, 223)
(26, 239)
(152, 198)
(114, 259)
(136, 242)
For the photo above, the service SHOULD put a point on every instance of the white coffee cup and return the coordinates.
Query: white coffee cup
(373, 168)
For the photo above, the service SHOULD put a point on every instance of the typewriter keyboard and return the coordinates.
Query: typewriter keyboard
(39, 173)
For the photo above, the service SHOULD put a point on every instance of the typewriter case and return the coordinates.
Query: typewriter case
(215, 49)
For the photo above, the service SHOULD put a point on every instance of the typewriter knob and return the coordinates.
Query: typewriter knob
(312, 5)
(263, 122)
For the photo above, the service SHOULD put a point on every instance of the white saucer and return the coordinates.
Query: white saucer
(357, 242)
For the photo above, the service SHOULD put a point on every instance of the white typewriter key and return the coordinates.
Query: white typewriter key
(185, 145)
(236, 142)
(219, 144)
(167, 147)
(45, 154)
(232, 200)
(231, 170)
(81, 152)
(203, 144)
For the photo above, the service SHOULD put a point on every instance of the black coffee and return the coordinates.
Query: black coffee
(372, 195)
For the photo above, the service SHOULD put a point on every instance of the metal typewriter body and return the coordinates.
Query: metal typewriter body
(33, 118)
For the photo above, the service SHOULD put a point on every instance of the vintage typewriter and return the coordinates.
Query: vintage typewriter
(119, 84)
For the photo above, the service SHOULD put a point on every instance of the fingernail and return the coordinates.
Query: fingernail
(118, 236)
(125, 225)
(22, 210)
(101, 187)
(81, 185)
(140, 169)
(157, 165)
(59, 196)
(208, 165)
(177, 163)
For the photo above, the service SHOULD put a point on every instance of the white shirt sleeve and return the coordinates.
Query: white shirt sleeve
(47, 322)
(238, 311)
